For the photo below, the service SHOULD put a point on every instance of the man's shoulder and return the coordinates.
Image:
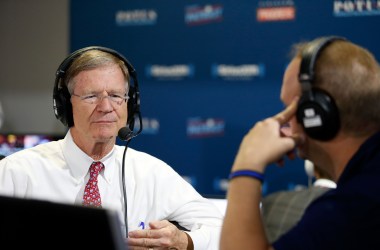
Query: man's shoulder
(39, 151)
(138, 158)
(40, 155)
(135, 154)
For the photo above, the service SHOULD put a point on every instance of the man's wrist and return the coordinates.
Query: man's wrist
(247, 173)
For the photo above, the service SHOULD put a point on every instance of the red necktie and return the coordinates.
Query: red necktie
(91, 196)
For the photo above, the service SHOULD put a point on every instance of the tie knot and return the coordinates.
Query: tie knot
(95, 168)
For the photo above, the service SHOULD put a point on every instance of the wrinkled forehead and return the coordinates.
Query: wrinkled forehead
(105, 75)
(107, 78)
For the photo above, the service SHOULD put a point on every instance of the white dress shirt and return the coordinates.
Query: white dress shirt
(58, 171)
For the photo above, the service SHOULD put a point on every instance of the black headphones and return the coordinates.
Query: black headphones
(61, 96)
(316, 111)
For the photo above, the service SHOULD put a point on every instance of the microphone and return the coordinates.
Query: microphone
(125, 134)
(309, 169)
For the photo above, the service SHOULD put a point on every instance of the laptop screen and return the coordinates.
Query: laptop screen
(34, 224)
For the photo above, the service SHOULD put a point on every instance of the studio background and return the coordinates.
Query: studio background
(207, 70)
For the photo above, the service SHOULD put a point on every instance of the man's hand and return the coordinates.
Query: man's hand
(267, 142)
(161, 235)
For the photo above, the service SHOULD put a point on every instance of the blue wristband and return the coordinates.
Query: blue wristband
(247, 173)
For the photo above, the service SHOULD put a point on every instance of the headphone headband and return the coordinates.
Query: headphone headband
(310, 55)
(61, 71)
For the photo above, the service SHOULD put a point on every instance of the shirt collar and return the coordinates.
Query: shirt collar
(79, 162)
(324, 183)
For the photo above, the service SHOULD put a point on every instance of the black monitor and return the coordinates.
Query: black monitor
(34, 224)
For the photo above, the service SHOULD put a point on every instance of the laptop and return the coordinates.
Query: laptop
(35, 224)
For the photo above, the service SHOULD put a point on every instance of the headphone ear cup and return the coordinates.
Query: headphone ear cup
(319, 115)
(133, 106)
(62, 107)
(131, 120)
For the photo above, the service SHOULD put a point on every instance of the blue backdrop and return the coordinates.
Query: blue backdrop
(208, 70)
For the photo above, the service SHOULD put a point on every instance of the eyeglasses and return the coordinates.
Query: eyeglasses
(97, 98)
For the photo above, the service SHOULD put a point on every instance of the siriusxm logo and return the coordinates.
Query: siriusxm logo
(170, 72)
(196, 15)
(345, 8)
(237, 72)
(136, 17)
(197, 127)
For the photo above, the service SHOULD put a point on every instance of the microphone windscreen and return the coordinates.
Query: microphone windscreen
(125, 134)
(309, 168)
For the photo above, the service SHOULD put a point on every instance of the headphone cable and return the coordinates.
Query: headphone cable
(124, 189)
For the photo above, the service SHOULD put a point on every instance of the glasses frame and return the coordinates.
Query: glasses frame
(94, 98)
